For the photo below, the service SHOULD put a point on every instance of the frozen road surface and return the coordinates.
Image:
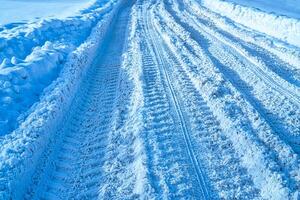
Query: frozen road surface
(148, 100)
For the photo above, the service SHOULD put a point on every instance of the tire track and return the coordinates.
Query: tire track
(124, 169)
(276, 126)
(246, 135)
(202, 184)
(228, 177)
(77, 169)
(257, 93)
(265, 66)
(206, 136)
(169, 170)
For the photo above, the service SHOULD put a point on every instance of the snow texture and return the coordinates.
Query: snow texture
(24, 146)
(172, 99)
(33, 55)
(282, 27)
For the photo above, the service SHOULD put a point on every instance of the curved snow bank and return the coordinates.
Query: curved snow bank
(287, 53)
(19, 41)
(289, 8)
(25, 146)
(32, 57)
(281, 27)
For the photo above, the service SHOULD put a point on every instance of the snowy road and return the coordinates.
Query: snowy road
(174, 105)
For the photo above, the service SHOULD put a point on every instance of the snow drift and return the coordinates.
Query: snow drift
(32, 56)
(281, 27)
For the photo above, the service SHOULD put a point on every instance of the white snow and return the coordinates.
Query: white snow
(32, 55)
(284, 28)
(289, 8)
(233, 124)
(173, 99)
(24, 146)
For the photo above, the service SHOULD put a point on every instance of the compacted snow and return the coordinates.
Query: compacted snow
(171, 99)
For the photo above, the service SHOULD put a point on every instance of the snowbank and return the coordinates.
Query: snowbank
(281, 27)
(25, 146)
(22, 83)
(32, 56)
(19, 41)
(289, 8)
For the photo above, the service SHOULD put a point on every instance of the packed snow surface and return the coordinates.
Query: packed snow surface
(172, 99)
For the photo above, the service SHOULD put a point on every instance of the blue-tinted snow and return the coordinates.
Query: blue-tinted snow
(289, 8)
(15, 12)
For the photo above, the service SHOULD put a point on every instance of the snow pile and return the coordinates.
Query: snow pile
(281, 27)
(23, 81)
(32, 56)
(25, 146)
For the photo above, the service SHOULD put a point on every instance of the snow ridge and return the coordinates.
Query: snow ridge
(281, 27)
(32, 57)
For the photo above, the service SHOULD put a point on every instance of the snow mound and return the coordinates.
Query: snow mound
(32, 56)
(21, 82)
(282, 27)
